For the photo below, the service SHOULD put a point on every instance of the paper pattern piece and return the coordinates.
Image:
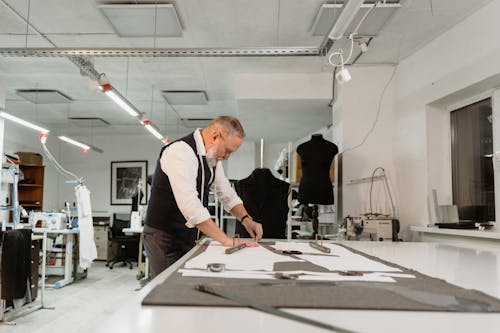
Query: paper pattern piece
(248, 259)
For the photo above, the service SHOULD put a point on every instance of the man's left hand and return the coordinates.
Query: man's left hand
(253, 228)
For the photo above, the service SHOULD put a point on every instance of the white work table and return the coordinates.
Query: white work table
(465, 267)
(485, 239)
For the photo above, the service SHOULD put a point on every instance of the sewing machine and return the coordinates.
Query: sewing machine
(51, 221)
(376, 227)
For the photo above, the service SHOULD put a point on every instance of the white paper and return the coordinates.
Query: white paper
(339, 259)
(303, 275)
(248, 258)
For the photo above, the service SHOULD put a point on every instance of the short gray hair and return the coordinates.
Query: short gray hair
(231, 125)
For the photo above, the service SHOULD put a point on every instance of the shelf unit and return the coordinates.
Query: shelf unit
(213, 207)
(31, 195)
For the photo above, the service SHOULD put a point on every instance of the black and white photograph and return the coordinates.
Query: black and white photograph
(128, 179)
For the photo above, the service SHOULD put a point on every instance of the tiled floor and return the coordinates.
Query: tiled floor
(80, 306)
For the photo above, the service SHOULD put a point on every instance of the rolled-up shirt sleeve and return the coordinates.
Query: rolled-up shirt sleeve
(180, 164)
(223, 189)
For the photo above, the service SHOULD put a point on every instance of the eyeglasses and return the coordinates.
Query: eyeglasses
(227, 151)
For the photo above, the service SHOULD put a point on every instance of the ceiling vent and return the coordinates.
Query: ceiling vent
(185, 97)
(196, 122)
(88, 122)
(138, 20)
(329, 13)
(43, 96)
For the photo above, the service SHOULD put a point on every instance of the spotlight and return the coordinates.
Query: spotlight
(343, 75)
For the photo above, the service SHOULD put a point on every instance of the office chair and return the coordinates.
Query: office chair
(123, 242)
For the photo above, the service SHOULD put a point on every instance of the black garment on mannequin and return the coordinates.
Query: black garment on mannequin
(316, 156)
(266, 199)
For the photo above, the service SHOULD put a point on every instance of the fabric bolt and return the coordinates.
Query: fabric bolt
(87, 247)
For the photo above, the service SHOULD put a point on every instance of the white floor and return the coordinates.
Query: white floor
(80, 306)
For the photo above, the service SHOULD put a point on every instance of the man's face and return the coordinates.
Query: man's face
(223, 146)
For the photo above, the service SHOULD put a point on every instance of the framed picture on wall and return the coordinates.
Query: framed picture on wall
(128, 179)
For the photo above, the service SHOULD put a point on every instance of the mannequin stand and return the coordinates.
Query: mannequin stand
(315, 221)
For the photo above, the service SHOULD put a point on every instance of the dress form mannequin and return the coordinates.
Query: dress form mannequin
(315, 186)
(266, 199)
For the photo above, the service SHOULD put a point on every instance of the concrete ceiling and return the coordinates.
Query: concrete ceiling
(206, 24)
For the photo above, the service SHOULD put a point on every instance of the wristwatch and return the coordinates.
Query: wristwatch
(244, 217)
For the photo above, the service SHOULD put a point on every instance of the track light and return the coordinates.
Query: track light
(84, 147)
(343, 75)
(116, 97)
(152, 129)
(348, 13)
(25, 123)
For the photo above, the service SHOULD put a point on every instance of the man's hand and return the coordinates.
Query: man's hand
(253, 228)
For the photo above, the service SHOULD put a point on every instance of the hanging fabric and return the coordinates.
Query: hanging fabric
(88, 251)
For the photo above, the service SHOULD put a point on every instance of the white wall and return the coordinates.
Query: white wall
(354, 116)
(283, 86)
(95, 168)
(241, 163)
(3, 91)
(463, 62)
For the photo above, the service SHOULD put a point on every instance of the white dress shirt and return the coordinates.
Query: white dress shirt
(180, 164)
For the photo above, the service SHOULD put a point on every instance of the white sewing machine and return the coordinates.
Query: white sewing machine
(51, 221)
(381, 227)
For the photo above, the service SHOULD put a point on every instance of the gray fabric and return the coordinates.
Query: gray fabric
(420, 294)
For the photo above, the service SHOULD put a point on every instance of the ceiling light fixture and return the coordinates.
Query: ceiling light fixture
(84, 147)
(116, 97)
(152, 129)
(22, 122)
(348, 13)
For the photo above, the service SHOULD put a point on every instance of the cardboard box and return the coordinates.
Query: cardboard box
(30, 158)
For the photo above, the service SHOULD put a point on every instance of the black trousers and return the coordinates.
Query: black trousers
(164, 248)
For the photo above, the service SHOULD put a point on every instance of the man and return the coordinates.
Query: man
(185, 172)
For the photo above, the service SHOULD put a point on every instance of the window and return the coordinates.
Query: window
(472, 167)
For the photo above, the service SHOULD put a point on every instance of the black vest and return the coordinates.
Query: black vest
(163, 212)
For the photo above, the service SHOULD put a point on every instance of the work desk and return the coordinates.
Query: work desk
(468, 268)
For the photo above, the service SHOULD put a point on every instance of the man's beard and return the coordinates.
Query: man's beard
(212, 157)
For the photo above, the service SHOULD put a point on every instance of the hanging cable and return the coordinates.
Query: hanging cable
(351, 38)
(379, 108)
(371, 185)
(27, 24)
(59, 167)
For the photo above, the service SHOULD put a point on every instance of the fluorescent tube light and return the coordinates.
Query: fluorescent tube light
(84, 147)
(25, 123)
(345, 18)
(116, 97)
(147, 124)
